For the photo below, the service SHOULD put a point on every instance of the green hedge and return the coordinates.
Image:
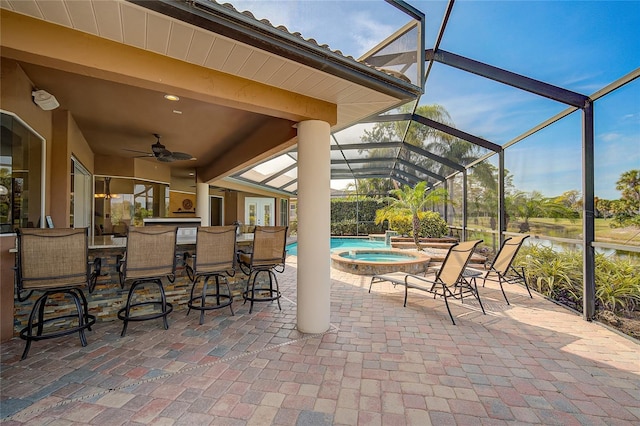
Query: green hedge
(344, 213)
(343, 210)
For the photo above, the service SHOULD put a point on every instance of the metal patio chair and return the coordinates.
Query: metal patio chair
(267, 256)
(502, 269)
(150, 255)
(56, 262)
(214, 257)
(451, 279)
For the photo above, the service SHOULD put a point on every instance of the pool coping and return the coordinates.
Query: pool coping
(418, 264)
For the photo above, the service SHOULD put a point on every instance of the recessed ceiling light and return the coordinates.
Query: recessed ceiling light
(171, 97)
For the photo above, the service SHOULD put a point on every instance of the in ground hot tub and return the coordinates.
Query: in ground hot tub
(371, 262)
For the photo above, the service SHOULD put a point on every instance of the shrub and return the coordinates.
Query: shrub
(558, 275)
(432, 225)
(349, 217)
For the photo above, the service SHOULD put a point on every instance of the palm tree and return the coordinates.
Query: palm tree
(411, 201)
(534, 204)
(369, 188)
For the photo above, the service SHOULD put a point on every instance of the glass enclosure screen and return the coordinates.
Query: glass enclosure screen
(20, 176)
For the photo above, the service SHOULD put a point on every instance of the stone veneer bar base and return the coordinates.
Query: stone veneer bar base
(108, 297)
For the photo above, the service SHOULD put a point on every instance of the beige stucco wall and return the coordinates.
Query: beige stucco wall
(15, 97)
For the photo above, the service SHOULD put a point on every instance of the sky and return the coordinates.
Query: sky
(581, 46)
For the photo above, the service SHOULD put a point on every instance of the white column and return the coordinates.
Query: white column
(314, 226)
(203, 205)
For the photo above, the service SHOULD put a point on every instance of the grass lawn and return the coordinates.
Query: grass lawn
(604, 231)
(566, 228)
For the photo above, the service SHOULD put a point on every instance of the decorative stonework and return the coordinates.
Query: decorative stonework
(415, 262)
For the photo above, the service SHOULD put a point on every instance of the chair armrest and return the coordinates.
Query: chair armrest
(472, 272)
(415, 281)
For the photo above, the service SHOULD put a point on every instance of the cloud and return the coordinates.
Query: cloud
(368, 32)
(610, 137)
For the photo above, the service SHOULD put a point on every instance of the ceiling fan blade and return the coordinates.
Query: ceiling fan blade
(178, 156)
(139, 152)
(165, 158)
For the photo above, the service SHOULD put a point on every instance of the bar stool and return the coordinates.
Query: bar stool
(214, 257)
(150, 255)
(267, 256)
(55, 261)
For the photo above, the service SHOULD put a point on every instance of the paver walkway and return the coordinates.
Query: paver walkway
(380, 364)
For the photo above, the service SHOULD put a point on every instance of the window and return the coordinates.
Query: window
(80, 195)
(284, 212)
(21, 175)
(121, 202)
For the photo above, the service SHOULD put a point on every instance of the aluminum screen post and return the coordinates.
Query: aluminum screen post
(588, 213)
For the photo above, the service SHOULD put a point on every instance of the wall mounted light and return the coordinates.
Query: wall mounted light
(45, 100)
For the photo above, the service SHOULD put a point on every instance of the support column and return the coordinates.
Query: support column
(588, 214)
(314, 226)
(203, 205)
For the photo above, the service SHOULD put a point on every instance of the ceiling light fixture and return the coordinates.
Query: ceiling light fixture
(171, 97)
(45, 100)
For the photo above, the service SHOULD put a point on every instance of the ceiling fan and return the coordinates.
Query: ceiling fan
(161, 153)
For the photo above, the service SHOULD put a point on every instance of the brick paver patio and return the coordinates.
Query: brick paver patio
(380, 364)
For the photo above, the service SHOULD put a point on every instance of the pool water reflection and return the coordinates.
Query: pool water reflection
(344, 244)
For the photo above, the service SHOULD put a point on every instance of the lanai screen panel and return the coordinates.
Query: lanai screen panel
(617, 162)
(545, 176)
(554, 42)
(398, 54)
(485, 108)
(370, 148)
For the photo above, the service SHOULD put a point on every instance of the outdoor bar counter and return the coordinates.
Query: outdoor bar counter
(108, 297)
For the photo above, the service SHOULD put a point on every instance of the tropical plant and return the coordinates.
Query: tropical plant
(626, 210)
(557, 274)
(617, 283)
(527, 205)
(369, 188)
(410, 202)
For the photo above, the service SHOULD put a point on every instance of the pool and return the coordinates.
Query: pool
(345, 244)
(372, 261)
(368, 256)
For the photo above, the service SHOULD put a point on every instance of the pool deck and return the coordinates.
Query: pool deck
(530, 363)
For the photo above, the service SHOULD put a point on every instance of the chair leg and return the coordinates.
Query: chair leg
(500, 279)
(477, 294)
(253, 290)
(76, 299)
(273, 275)
(199, 302)
(127, 311)
(406, 293)
(203, 299)
(250, 292)
(164, 303)
(226, 282)
(84, 320)
(165, 308)
(446, 302)
(523, 276)
(193, 287)
(39, 308)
